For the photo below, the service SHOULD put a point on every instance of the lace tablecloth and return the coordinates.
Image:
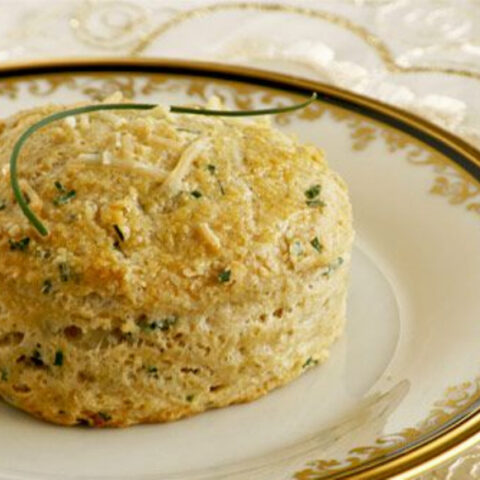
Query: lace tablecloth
(423, 56)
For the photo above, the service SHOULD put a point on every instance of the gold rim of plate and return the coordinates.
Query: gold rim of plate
(460, 434)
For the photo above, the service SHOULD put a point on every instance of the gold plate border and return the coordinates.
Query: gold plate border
(459, 436)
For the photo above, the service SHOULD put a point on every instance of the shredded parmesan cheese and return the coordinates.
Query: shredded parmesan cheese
(95, 160)
(106, 158)
(174, 179)
(207, 234)
(71, 122)
(118, 139)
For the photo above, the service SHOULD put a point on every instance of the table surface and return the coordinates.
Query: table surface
(423, 56)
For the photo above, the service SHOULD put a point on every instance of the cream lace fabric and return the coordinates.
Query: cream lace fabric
(421, 55)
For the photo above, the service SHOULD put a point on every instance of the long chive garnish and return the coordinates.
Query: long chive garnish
(17, 191)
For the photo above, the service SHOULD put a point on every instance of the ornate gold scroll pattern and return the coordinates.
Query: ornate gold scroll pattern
(121, 22)
(374, 41)
(455, 401)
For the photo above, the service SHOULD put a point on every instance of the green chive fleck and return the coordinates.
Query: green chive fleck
(213, 170)
(190, 398)
(36, 358)
(224, 276)
(65, 198)
(163, 325)
(315, 203)
(196, 193)
(152, 370)
(58, 362)
(104, 416)
(310, 362)
(4, 375)
(167, 322)
(47, 287)
(315, 243)
(64, 270)
(333, 266)
(21, 245)
(119, 232)
(3, 205)
(313, 192)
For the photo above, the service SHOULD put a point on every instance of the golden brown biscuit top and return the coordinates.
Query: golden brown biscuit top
(159, 210)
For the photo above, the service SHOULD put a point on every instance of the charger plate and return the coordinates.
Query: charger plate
(401, 390)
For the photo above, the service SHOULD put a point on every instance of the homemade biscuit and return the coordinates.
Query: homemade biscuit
(193, 262)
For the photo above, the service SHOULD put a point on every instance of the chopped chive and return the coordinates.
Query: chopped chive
(63, 199)
(3, 205)
(167, 322)
(333, 266)
(212, 168)
(59, 187)
(313, 192)
(152, 370)
(47, 287)
(21, 245)
(224, 276)
(36, 358)
(310, 362)
(58, 362)
(104, 416)
(315, 243)
(190, 398)
(163, 325)
(119, 232)
(315, 203)
(64, 270)
(15, 184)
(196, 193)
(4, 375)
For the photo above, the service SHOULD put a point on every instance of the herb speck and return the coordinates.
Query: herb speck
(315, 243)
(333, 266)
(119, 232)
(224, 276)
(47, 287)
(163, 325)
(315, 203)
(196, 193)
(313, 192)
(36, 358)
(104, 416)
(58, 362)
(21, 245)
(63, 199)
(64, 270)
(310, 362)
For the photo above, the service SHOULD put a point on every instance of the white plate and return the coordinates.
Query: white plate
(401, 389)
